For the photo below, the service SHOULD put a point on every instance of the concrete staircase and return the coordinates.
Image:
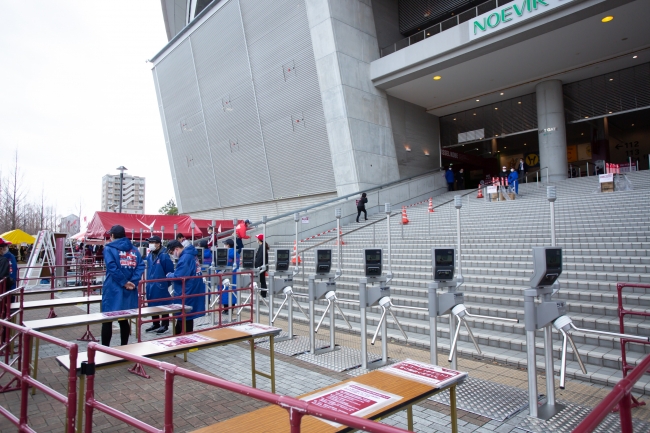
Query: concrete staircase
(604, 239)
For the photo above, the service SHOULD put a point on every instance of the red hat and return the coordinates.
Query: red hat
(4, 243)
(260, 237)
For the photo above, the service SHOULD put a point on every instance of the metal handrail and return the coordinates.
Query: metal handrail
(621, 395)
(441, 26)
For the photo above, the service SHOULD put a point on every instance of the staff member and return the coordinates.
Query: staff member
(188, 265)
(233, 260)
(159, 264)
(240, 233)
(124, 269)
(262, 253)
(13, 264)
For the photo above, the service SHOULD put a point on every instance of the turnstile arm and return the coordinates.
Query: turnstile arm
(386, 304)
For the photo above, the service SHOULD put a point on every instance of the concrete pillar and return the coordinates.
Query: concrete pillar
(551, 129)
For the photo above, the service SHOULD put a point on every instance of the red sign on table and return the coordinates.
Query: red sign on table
(429, 374)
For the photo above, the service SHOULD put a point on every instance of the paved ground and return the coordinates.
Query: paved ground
(196, 405)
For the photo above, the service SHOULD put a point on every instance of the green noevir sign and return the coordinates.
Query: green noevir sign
(506, 15)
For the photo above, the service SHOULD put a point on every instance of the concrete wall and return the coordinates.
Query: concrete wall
(418, 131)
(386, 13)
(356, 113)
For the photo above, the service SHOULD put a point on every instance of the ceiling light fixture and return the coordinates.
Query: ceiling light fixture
(519, 102)
(501, 93)
(610, 112)
(437, 77)
(611, 79)
(607, 19)
(633, 124)
(524, 144)
(474, 114)
(426, 152)
(634, 57)
(477, 100)
(496, 108)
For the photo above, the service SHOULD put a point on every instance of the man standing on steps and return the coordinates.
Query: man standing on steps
(449, 177)
(521, 170)
(460, 180)
(361, 207)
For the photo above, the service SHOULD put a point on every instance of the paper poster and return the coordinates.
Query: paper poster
(172, 307)
(609, 177)
(352, 398)
(181, 341)
(119, 313)
(429, 374)
(255, 328)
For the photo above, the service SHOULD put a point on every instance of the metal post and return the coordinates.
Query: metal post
(548, 359)
(387, 210)
(384, 341)
(547, 181)
(140, 237)
(132, 234)
(337, 215)
(175, 230)
(458, 203)
(373, 236)
(364, 324)
(257, 297)
(429, 223)
(234, 265)
(551, 196)
(192, 225)
(162, 234)
(532, 370)
(587, 168)
(433, 323)
(214, 229)
(452, 332)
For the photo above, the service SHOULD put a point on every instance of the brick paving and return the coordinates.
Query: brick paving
(196, 405)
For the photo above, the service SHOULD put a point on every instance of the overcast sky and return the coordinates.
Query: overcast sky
(77, 99)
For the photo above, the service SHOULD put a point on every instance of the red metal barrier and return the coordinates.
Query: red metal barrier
(621, 395)
(296, 408)
(25, 381)
(622, 312)
(215, 291)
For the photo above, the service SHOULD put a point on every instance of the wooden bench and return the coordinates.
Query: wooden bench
(58, 302)
(158, 348)
(91, 319)
(275, 419)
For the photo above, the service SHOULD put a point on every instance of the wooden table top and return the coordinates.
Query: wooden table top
(88, 319)
(274, 419)
(58, 302)
(38, 290)
(149, 349)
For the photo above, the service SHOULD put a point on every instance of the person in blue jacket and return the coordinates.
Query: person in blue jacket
(513, 179)
(124, 269)
(188, 265)
(449, 177)
(13, 264)
(159, 264)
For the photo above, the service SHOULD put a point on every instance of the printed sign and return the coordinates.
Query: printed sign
(255, 328)
(609, 177)
(352, 398)
(492, 189)
(181, 341)
(429, 374)
(509, 14)
(119, 313)
(173, 307)
(304, 220)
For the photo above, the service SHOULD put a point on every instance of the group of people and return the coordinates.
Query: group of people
(8, 266)
(457, 179)
(125, 268)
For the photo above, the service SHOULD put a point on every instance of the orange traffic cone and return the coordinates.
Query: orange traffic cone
(430, 204)
(340, 237)
(405, 219)
(480, 191)
(293, 259)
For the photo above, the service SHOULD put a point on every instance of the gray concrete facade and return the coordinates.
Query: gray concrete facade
(552, 129)
(356, 113)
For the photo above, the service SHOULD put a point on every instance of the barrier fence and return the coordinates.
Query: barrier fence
(296, 409)
(620, 396)
(22, 372)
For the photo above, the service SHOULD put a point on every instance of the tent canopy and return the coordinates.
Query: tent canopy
(18, 237)
(149, 224)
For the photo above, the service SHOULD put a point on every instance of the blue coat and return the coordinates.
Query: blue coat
(123, 264)
(13, 268)
(449, 176)
(233, 279)
(189, 266)
(513, 177)
(156, 270)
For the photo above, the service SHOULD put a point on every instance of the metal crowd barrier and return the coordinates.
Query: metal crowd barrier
(296, 408)
(20, 368)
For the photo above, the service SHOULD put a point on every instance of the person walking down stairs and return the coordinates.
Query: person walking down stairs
(361, 207)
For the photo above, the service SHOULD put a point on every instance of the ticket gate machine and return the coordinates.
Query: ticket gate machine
(220, 264)
(449, 302)
(322, 285)
(280, 281)
(373, 291)
(540, 311)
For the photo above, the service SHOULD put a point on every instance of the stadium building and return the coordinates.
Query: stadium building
(269, 106)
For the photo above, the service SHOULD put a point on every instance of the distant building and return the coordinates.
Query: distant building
(70, 225)
(133, 189)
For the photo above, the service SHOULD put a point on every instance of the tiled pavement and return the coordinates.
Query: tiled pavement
(196, 405)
